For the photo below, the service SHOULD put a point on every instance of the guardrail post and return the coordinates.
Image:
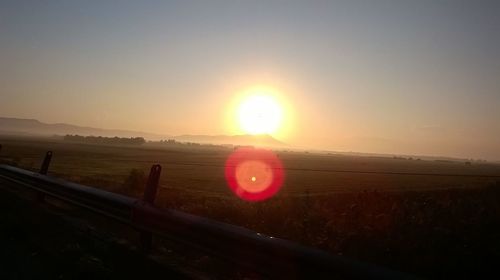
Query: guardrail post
(152, 184)
(43, 170)
(46, 162)
(149, 198)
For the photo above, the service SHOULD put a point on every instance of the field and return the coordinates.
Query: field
(433, 218)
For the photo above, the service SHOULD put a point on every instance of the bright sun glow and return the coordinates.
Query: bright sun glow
(260, 114)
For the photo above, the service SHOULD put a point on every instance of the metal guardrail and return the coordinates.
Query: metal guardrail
(270, 256)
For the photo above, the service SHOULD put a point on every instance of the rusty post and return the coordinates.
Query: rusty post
(46, 162)
(149, 198)
(43, 170)
(152, 184)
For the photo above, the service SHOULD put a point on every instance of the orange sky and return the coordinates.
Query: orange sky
(409, 78)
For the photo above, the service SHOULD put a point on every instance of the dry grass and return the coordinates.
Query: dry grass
(430, 225)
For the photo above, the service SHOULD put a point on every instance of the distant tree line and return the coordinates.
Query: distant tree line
(175, 143)
(169, 141)
(105, 140)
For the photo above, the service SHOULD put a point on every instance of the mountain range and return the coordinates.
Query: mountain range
(33, 127)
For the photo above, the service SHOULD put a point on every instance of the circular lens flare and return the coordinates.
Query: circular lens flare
(254, 174)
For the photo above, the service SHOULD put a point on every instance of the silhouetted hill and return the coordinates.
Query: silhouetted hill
(15, 126)
(32, 127)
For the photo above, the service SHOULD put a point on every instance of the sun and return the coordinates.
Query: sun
(259, 114)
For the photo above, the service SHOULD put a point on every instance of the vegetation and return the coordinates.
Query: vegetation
(105, 140)
(135, 181)
(434, 226)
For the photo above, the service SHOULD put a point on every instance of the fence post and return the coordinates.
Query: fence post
(46, 162)
(149, 198)
(43, 170)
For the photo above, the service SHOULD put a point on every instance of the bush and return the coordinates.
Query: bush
(135, 181)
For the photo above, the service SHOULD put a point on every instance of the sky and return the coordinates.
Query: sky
(406, 77)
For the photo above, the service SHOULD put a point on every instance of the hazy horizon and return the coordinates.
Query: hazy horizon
(150, 136)
(387, 77)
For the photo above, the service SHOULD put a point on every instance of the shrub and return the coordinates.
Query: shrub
(135, 181)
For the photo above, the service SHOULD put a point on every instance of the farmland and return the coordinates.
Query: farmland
(411, 215)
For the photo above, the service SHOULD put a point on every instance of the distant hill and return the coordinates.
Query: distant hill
(32, 127)
(243, 140)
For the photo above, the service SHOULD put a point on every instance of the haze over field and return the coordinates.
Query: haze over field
(399, 77)
(31, 127)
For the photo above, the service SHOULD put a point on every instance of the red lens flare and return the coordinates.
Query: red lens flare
(254, 174)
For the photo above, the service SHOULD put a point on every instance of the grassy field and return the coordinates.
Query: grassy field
(429, 223)
(201, 169)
